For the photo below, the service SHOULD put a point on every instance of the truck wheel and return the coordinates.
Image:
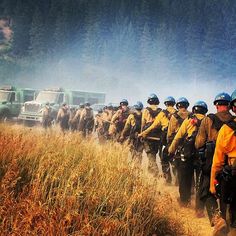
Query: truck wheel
(28, 123)
(4, 117)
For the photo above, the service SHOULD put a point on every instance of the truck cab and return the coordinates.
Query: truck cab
(12, 99)
(32, 110)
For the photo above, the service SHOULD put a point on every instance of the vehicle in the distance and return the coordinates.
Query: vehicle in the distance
(32, 110)
(12, 99)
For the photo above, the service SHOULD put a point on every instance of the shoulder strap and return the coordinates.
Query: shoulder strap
(167, 113)
(216, 121)
(178, 118)
(232, 125)
(153, 113)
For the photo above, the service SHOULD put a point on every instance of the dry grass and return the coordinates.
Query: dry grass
(63, 185)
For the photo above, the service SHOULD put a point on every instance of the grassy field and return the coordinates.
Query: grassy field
(63, 185)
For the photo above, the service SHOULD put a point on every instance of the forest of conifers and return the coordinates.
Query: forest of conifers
(197, 35)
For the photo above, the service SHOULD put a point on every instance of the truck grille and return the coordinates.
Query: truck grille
(32, 107)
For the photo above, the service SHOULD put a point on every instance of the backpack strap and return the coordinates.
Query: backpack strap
(153, 113)
(178, 118)
(232, 125)
(216, 121)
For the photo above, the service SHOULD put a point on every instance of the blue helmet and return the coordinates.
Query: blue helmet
(200, 107)
(169, 101)
(153, 99)
(138, 105)
(182, 102)
(124, 102)
(222, 99)
(233, 98)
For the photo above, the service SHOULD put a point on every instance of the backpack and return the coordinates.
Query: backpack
(137, 127)
(153, 113)
(180, 120)
(121, 121)
(188, 143)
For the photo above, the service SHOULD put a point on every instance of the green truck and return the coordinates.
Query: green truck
(12, 99)
(32, 110)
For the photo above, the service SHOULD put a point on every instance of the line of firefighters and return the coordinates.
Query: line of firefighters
(200, 149)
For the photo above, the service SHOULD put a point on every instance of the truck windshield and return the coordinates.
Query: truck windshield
(4, 95)
(45, 96)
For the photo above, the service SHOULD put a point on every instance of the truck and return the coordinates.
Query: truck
(31, 112)
(12, 99)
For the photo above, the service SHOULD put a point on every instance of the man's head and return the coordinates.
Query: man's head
(124, 104)
(87, 104)
(222, 102)
(81, 105)
(65, 106)
(153, 99)
(200, 107)
(169, 101)
(182, 103)
(233, 101)
(138, 106)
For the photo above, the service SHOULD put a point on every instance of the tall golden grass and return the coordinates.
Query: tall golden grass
(54, 184)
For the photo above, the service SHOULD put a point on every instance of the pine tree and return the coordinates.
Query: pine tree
(37, 35)
(21, 27)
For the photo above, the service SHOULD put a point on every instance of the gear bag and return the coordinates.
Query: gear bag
(210, 146)
(180, 121)
(121, 121)
(153, 113)
(136, 129)
(187, 149)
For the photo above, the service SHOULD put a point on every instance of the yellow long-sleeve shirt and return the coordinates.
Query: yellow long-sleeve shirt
(130, 122)
(174, 124)
(207, 132)
(146, 116)
(225, 145)
(161, 120)
(188, 127)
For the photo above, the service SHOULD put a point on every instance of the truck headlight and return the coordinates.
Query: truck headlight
(23, 109)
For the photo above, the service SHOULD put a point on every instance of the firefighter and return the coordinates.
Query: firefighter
(161, 121)
(77, 115)
(119, 119)
(205, 143)
(224, 166)
(152, 140)
(98, 125)
(175, 122)
(131, 129)
(183, 143)
(72, 120)
(63, 117)
(47, 116)
(107, 114)
(86, 121)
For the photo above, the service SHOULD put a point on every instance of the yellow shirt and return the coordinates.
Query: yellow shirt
(206, 132)
(160, 120)
(174, 124)
(130, 122)
(225, 145)
(187, 127)
(146, 117)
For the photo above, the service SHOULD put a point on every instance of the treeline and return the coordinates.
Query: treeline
(165, 35)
